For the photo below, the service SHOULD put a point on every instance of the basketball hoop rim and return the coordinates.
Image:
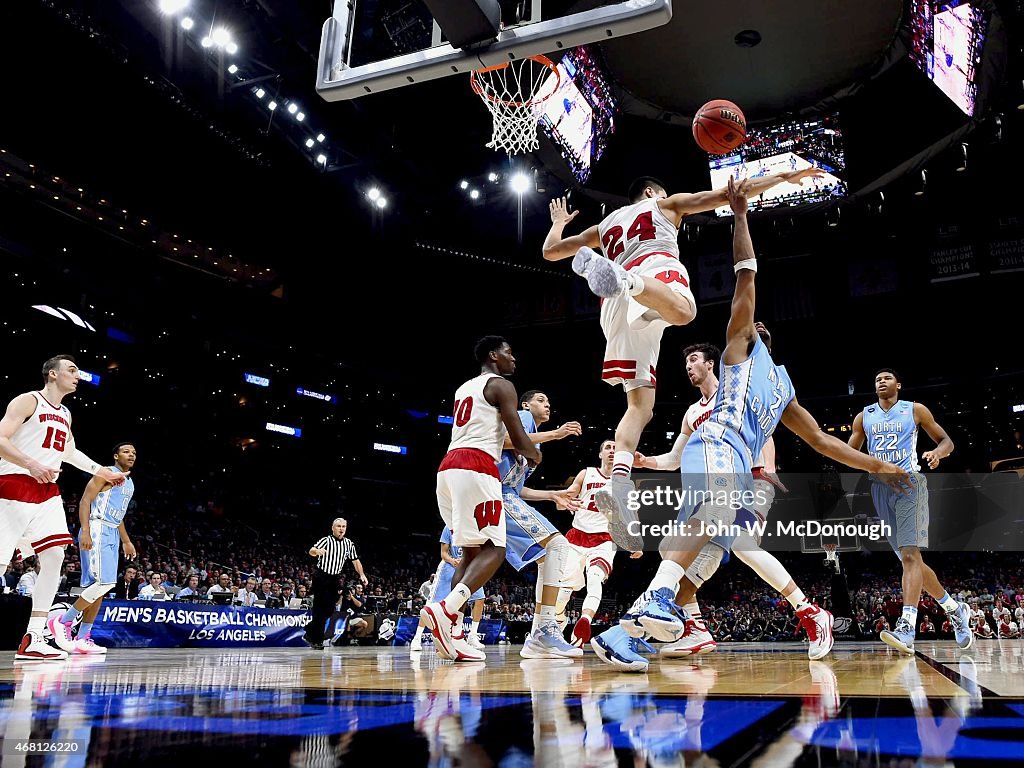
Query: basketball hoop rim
(480, 91)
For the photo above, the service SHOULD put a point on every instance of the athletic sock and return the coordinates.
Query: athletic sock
(623, 463)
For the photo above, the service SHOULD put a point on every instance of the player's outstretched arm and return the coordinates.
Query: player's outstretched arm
(741, 334)
(18, 410)
(685, 203)
(857, 436)
(539, 438)
(502, 395)
(79, 460)
(666, 461)
(575, 487)
(557, 247)
(801, 423)
(562, 499)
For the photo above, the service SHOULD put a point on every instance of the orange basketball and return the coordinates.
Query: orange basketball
(719, 127)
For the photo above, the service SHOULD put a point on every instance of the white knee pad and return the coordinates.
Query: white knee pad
(705, 565)
(94, 592)
(596, 577)
(556, 558)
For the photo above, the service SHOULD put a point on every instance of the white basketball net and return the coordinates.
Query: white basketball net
(514, 94)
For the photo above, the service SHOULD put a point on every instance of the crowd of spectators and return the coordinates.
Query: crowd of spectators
(199, 552)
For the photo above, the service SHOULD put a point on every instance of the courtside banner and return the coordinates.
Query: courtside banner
(160, 624)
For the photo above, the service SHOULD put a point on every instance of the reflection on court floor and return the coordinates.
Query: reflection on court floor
(746, 704)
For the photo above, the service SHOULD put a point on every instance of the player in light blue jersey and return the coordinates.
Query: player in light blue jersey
(754, 396)
(889, 428)
(451, 556)
(530, 537)
(101, 512)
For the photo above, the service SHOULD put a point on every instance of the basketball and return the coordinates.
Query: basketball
(719, 127)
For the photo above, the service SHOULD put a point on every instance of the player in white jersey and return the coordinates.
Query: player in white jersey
(101, 512)
(645, 288)
(35, 437)
(697, 639)
(469, 489)
(592, 545)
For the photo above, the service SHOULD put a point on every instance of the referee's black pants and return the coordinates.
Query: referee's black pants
(325, 598)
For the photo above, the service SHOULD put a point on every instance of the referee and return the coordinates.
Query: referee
(331, 553)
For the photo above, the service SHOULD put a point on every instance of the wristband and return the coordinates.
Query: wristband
(750, 264)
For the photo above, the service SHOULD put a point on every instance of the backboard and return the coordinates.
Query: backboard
(369, 46)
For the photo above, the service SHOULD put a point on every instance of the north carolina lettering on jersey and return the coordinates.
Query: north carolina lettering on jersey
(887, 426)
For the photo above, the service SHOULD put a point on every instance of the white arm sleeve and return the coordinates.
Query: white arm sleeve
(79, 460)
(672, 459)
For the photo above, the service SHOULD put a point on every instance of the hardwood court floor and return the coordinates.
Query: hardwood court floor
(745, 704)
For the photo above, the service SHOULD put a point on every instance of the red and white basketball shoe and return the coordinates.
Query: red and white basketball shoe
(696, 640)
(817, 623)
(33, 647)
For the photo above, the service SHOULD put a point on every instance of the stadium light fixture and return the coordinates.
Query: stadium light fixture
(171, 7)
(519, 183)
(187, 23)
(373, 194)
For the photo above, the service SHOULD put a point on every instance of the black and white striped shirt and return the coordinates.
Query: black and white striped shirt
(339, 552)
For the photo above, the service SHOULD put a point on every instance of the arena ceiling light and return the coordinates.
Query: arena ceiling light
(65, 314)
(231, 47)
(220, 36)
(171, 7)
(373, 194)
(381, 202)
(293, 108)
(320, 138)
(309, 143)
(474, 194)
(187, 23)
(492, 176)
(322, 159)
(233, 68)
(519, 183)
(301, 116)
(260, 93)
(272, 105)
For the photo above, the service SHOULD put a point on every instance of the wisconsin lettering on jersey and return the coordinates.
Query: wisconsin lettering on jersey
(701, 419)
(45, 417)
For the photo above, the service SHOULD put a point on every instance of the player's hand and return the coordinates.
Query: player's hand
(645, 462)
(569, 428)
(560, 212)
(533, 464)
(110, 476)
(897, 479)
(455, 561)
(797, 177)
(129, 550)
(737, 194)
(564, 501)
(932, 458)
(85, 542)
(42, 474)
(635, 555)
